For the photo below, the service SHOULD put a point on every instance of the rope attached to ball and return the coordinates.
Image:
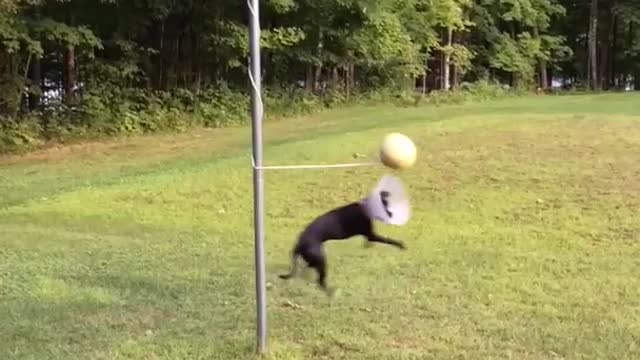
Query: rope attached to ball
(319, 166)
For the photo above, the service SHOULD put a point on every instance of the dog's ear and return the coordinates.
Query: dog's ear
(383, 197)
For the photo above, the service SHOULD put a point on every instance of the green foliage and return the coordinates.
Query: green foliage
(111, 67)
(20, 135)
(461, 57)
(482, 90)
(57, 32)
(281, 38)
(518, 47)
(17, 48)
(384, 44)
(516, 56)
(111, 111)
(9, 7)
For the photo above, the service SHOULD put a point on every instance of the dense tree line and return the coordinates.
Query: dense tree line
(88, 58)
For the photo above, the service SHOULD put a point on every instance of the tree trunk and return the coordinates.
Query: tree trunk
(625, 75)
(456, 76)
(197, 64)
(611, 70)
(146, 62)
(352, 76)
(318, 74)
(161, 78)
(186, 71)
(69, 74)
(35, 79)
(602, 73)
(335, 77)
(174, 77)
(544, 77)
(36, 84)
(605, 50)
(309, 83)
(542, 65)
(347, 80)
(446, 81)
(593, 45)
(317, 78)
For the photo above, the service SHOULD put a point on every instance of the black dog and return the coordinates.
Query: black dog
(338, 224)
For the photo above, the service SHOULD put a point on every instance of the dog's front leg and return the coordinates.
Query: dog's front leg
(380, 239)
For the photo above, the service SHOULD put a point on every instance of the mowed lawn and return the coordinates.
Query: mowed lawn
(524, 241)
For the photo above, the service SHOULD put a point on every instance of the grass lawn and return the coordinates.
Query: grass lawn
(524, 241)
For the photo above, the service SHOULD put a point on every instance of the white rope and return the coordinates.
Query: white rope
(258, 96)
(318, 166)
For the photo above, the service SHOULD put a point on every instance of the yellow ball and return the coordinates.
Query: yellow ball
(397, 151)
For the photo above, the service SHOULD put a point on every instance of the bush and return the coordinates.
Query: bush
(290, 102)
(109, 111)
(19, 135)
(471, 92)
(221, 107)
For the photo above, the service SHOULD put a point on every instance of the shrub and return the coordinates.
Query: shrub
(19, 135)
(109, 111)
(470, 92)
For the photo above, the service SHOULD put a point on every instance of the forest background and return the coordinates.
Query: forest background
(73, 69)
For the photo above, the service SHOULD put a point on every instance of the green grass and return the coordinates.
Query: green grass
(524, 241)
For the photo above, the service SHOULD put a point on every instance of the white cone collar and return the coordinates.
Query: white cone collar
(388, 202)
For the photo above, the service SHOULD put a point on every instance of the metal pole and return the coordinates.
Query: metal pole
(258, 181)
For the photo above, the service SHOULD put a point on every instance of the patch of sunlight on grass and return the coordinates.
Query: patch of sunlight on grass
(54, 290)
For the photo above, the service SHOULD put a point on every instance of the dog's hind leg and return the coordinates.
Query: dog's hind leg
(294, 266)
(316, 259)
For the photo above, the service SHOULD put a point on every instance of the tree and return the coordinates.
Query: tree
(111, 59)
(451, 16)
(517, 39)
(593, 45)
(17, 49)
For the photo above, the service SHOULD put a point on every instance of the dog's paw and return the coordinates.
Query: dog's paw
(332, 293)
(402, 246)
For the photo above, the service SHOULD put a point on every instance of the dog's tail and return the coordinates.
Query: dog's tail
(294, 266)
